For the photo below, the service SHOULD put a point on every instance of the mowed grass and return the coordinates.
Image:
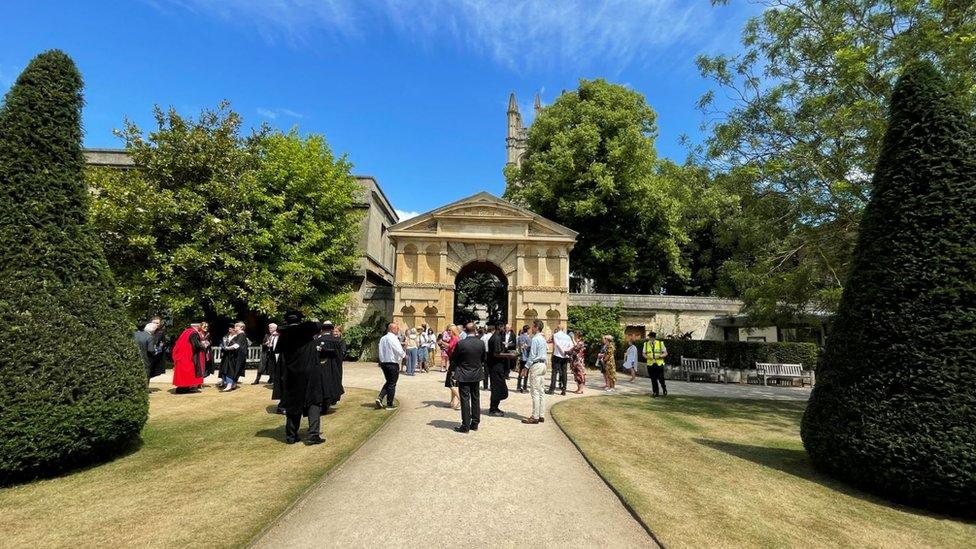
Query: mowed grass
(733, 473)
(212, 471)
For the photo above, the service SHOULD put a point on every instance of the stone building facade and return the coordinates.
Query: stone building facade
(483, 232)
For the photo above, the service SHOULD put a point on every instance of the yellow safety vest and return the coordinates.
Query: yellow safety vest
(651, 354)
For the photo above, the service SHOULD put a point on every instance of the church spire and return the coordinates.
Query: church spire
(538, 104)
(515, 136)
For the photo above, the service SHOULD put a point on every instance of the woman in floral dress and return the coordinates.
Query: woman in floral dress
(578, 364)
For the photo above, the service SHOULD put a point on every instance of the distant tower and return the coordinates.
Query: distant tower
(516, 135)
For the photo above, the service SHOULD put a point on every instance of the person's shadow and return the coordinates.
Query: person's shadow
(443, 424)
(275, 433)
(435, 404)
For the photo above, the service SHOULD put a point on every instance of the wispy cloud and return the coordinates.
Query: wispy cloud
(273, 114)
(518, 34)
(403, 215)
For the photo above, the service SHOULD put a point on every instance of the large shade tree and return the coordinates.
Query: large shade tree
(799, 116)
(217, 224)
(591, 165)
(73, 388)
(894, 408)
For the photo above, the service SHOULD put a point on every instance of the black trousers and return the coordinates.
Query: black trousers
(484, 376)
(293, 420)
(470, 403)
(558, 371)
(657, 376)
(499, 385)
(391, 371)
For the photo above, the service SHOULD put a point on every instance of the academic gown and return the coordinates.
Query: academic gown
(233, 361)
(186, 360)
(332, 350)
(497, 367)
(301, 377)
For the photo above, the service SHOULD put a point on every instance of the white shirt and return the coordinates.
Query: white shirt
(485, 339)
(390, 348)
(561, 343)
(630, 360)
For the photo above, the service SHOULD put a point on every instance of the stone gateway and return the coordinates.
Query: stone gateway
(529, 253)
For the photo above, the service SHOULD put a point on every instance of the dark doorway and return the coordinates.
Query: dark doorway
(480, 294)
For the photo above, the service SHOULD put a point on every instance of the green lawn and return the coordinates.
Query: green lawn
(212, 471)
(733, 473)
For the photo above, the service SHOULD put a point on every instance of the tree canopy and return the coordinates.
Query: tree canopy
(591, 165)
(211, 223)
(799, 121)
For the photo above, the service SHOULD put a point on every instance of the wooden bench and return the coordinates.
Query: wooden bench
(766, 371)
(253, 354)
(702, 367)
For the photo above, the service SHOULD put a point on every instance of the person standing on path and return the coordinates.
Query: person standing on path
(144, 340)
(654, 353)
(304, 383)
(562, 344)
(577, 362)
(609, 362)
(467, 366)
(630, 361)
(537, 372)
(412, 342)
(450, 344)
(485, 338)
(523, 342)
(498, 369)
(391, 353)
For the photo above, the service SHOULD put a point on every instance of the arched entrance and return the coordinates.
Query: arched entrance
(442, 248)
(480, 294)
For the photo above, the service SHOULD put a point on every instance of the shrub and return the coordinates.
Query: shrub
(742, 355)
(362, 338)
(894, 409)
(73, 389)
(594, 321)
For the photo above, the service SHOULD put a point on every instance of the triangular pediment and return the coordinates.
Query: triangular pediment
(483, 206)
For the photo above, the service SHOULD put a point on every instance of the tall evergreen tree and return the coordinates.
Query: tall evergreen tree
(894, 409)
(73, 389)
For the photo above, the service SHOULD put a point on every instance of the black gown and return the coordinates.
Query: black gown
(301, 380)
(497, 368)
(332, 350)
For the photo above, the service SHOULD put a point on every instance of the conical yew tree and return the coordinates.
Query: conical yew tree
(72, 389)
(894, 409)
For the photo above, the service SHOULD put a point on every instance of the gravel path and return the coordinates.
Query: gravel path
(417, 483)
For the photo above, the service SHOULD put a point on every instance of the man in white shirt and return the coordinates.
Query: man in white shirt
(537, 372)
(390, 354)
(562, 344)
(485, 338)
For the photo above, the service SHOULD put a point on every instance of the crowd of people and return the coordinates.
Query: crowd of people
(303, 361)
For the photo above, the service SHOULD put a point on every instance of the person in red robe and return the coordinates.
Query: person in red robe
(189, 359)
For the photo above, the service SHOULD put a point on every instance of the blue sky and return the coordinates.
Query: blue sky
(413, 91)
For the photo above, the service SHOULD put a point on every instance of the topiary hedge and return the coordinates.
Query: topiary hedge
(894, 409)
(742, 355)
(72, 387)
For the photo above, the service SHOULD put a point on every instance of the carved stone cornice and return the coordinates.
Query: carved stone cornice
(435, 285)
(542, 288)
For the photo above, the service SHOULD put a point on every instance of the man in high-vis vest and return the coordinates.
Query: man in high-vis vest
(654, 354)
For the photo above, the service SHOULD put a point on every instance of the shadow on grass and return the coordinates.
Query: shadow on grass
(796, 462)
(78, 465)
(275, 433)
(768, 412)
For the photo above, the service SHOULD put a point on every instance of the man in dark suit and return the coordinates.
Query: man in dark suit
(498, 371)
(467, 368)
